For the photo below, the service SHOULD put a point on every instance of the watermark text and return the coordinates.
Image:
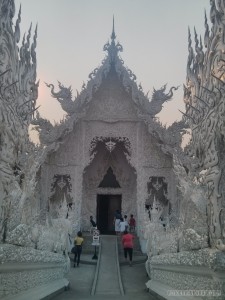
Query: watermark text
(194, 293)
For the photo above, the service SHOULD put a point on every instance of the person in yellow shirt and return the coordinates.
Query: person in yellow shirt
(78, 242)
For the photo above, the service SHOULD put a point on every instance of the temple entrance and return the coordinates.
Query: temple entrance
(106, 207)
(109, 183)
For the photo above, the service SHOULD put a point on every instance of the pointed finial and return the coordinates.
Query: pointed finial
(113, 35)
(196, 38)
(189, 37)
(206, 37)
(113, 48)
(17, 27)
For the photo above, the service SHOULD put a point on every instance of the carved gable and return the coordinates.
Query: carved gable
(111, 101)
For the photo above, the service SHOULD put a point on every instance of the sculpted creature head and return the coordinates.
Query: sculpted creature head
(42, 125)
(63, 94)
(159, 97)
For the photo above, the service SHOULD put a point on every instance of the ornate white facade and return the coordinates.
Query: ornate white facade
(110, 127)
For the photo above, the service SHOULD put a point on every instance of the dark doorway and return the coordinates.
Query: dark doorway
(106, 207)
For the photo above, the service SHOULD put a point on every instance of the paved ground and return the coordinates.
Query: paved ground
(108, 282)
(81, 280)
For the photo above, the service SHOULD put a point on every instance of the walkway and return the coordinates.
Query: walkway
(81, 279)
(108, 281)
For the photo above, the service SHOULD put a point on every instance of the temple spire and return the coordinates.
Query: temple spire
(113, 48)
(113, 35)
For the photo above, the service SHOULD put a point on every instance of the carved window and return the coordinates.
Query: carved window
(157, 188)
(61, 187)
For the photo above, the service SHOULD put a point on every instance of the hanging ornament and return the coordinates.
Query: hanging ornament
(110, 146)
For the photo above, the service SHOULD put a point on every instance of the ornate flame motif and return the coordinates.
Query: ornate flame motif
(18, 94)
(204, 96)
(157, 188)
(110, 143)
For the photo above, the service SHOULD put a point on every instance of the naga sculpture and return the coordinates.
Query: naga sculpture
(159, 97)
(64, 96)
(44, 128)
(50, 135)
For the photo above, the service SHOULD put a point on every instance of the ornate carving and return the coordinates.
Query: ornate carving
(61, 189)
(157, 188)
(113, 48)
(158, 197)
(110, 143)
(18, 94)
(204, 96)
(20, 215)
(167, 139)
(64, 96)
(145, 108)
(159, 97)
(192, 209)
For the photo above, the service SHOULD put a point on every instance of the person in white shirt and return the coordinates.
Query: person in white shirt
(126, 222)
(122, 225)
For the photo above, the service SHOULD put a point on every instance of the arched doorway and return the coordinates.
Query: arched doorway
(109, 183)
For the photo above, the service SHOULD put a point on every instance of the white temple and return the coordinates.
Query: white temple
(110, 152)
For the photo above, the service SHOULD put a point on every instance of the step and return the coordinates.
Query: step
(42, 292)
(108, 280)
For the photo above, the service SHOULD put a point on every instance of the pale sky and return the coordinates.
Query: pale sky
(153, 33)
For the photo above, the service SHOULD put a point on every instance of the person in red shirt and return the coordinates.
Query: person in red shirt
(128, 245)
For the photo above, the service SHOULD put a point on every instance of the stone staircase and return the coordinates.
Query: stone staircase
(108, 274)
(88, 250)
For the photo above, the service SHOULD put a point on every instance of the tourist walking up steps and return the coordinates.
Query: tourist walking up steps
(122, 226)
(78, 242)
(126, 222)
(116, 221)
(128, 245)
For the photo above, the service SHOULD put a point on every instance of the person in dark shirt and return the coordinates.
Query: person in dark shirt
(132, 223)
(93, 223)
